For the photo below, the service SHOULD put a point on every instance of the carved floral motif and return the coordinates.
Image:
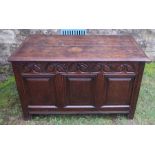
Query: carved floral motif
(32, 68)
(56, 67)
(125, 68)
(44, 67)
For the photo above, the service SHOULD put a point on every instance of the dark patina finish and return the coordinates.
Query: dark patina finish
(78, 74)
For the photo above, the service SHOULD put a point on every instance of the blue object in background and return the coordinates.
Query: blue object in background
(71, 32)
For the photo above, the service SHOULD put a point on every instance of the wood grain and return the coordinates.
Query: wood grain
(79, 48)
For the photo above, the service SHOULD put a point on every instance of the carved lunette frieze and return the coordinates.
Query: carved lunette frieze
(50, 67)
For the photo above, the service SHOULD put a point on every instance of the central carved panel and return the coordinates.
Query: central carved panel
(80, 90)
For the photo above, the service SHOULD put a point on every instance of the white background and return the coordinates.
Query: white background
(77, 14)
(77, 140)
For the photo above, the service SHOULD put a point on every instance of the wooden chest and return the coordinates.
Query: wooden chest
(78, 74)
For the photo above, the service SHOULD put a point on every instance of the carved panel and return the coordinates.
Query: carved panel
(80, 90)
(40, 90)
(56, 67)
(118, 89)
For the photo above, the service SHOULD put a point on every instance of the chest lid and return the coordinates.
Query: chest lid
(79, 48)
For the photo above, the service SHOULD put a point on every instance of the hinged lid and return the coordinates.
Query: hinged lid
(79, 48)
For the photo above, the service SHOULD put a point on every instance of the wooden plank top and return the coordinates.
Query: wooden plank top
(79, 48)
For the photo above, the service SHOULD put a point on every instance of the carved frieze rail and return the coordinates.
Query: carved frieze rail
(54, 67)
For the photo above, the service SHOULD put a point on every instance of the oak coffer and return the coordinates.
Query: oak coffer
(78, 74)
